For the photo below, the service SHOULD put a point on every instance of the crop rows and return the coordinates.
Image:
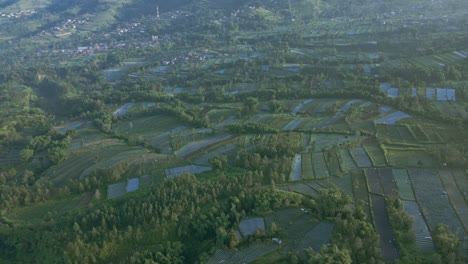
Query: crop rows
(376, 155)
(455, 197)
(419, 227)
(433, 199)
(360, 157)
(320, 166)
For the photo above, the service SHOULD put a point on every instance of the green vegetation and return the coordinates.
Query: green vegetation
(139, 131)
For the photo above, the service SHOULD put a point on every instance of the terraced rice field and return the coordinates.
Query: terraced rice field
(419, 227)
(293, 124)
(404, 184)
(383, 227)
(103, 157)
(433, 200)
(360, 190)
(373, 180)
(461, 178)
(392, 118)
(455, 197)
(333, 163)
(301, 188)
(376, 155)
(197, 145)
(360, 157)
(224, 150)
(193, 169)
(409, 158)
(346, 161)
(298, 108)
(344, 183)
(153, 124)
(296, 168)
(307, 168)
(388, 182)
(319, 165)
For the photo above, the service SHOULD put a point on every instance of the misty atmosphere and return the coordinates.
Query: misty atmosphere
(234, 131)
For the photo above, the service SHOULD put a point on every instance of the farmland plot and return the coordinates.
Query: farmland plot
(223, 150)
(307, 168)
(121, 111)
(387, 181)
(133, 184)
(404, 185)
(409, 158)
(374, 181)
(293, 124)
(433, 200)
(332, 162)
(360, 190)
(346, 161)
(319, 236)
(348, 105)
(296, 168)
(344, 183)
(392, 118)
(405, 134)
(376, 155)
(419, 227)
(461, 179)
(193, 169)
(320, 166)
(115, 190)
(301, 188)
(455, 197)
(383, 227)
(196, 145)
(419, 133)
(360, 157)
(300, 106)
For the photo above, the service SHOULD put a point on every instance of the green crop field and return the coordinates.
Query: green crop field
(320, 166)
(307, 168)
(456, 198)
(404, 184)
(433, 201)
(360, 190)
(376, 155)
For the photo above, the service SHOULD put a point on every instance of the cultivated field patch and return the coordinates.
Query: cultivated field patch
(192, 169)
(360, 157)
(296, 168)
(455, 197)
(419, 227)
(404, 184)
(384, 228)
(433, 200)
